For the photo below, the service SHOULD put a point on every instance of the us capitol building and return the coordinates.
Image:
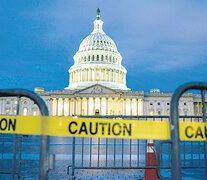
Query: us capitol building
(97, 86)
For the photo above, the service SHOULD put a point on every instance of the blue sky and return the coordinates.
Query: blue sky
(163, 43)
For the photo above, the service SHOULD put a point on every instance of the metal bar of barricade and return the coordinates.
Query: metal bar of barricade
(15, 143)
(106, 151)
(158, 152)
(20, 140)
(174, 120)
(98, 151)
(130, 151)
(82, 151)
(204, 120)
(2, 152)
(137, 152)
(44, 141)
(14, 157)
(122, 150)
(19, 157)
(114, 152)
(73, 159)
(90, 151)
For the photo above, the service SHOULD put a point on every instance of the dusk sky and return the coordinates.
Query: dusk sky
(163, 43)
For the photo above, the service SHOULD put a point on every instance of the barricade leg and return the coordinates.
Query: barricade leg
(150, 174)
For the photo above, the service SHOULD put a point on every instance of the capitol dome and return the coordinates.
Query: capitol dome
(97, 62)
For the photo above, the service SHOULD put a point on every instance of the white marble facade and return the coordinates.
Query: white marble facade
(101, 100)
(97, 86)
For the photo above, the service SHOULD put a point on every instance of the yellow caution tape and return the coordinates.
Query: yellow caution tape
(193, 131)
(91, 127)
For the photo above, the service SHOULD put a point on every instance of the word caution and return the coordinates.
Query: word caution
(105, 128)
(193, 131)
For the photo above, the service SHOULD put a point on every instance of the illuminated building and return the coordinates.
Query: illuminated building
(97, 86)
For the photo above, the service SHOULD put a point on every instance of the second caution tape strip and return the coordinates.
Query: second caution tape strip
(106, 128)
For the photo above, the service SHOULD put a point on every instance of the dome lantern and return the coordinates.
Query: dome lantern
(98, 23)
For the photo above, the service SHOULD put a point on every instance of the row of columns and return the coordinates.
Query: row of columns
(106, 58)
(97, 74)
(94, 108)
(198, 109)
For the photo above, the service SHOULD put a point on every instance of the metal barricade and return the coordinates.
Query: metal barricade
(110, 153)
(192, 154)
(175, 159)
(45, 160)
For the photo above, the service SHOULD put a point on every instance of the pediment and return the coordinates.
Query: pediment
(97, 89)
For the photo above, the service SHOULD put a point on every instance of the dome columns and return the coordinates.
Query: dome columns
(97, 57)
(97, 74)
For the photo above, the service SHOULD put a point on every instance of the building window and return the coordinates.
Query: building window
(7, 111)
(151, 112)
(168, 103)
(168, 112)
(15, 111)
(25, 102)
(185, 103)
(34, 112)
(185, 112)
(159, 113)
(151, 104)
(158, 103)
(7, 102)
(24, 111)
(15, 102)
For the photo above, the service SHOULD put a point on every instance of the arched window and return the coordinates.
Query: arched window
(159, 113)
(168, 112)
(24, 111)
(106, 58)
(185, 112)
(97, 112)
(151, 112)
(34, 112)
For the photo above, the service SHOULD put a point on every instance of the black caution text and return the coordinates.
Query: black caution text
(7, 124)
(98, 128)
